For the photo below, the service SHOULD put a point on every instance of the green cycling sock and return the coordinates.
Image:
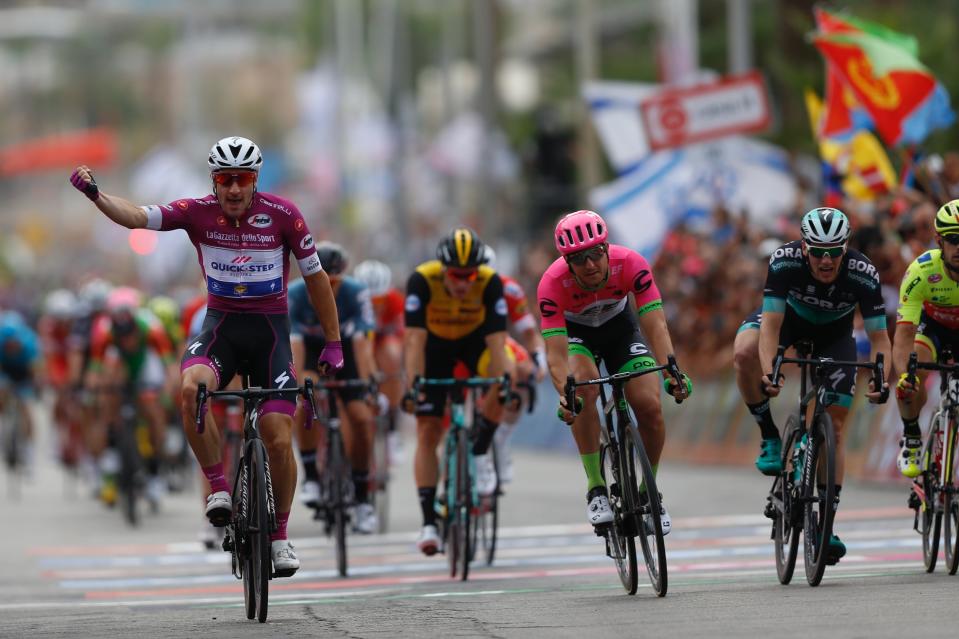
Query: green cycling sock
(594, 476)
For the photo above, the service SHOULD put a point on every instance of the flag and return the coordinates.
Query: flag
(880, 68)
(856, 165)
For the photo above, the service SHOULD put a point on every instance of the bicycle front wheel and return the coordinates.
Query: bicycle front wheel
(648, 511)
(785, 530)
(819, 497)
(620, 546)
(339, 474)
(259, 530)
(464, 504)
(380, 474)
(487, 519)
(950, 503)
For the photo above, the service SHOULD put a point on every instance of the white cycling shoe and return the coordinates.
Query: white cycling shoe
(598, 511)
(219, 508)
(365, 520)
(284, 558)
(664, 519)
(429, 540)
(485, 475)
(310, 494)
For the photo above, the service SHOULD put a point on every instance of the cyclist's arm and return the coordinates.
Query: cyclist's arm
(912, 291)
(879, 339)
(496, 343)
(653, 325)
(321, 297)
(121, 211)
(557, 358)
(414, 352)
(495, 325)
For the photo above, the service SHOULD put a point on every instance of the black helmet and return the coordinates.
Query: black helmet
(333, 257)
(462, 248)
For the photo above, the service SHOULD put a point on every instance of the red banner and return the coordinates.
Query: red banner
(93, 147)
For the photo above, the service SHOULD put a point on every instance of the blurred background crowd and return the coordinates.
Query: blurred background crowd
(389, 121)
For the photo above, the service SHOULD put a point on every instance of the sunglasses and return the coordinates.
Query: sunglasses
(596, 254)
(820, 252)
(463, 276)
(952, 238)
(242, 178)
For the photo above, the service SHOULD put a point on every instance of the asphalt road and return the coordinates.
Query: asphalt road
(72, 568)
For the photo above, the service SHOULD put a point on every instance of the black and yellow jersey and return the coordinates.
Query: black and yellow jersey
(430, 306)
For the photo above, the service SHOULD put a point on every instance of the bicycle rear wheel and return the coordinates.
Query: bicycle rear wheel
(339, 474)
(647, 512)
(785, 530)
(620, 546)
(951, 504)
(258, 531)
(129, 478)
(380, 475)
(819, 498)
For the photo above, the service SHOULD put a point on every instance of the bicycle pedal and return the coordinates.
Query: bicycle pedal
(770, 511)
(602, 530)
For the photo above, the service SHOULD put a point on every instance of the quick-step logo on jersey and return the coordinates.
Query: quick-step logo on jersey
(247, 273)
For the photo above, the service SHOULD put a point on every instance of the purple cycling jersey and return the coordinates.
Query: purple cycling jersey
(246, 260)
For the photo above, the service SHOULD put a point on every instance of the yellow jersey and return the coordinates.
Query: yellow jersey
(429, 305)
(927, 287)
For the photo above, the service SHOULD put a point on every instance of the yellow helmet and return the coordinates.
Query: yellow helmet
(947, 218)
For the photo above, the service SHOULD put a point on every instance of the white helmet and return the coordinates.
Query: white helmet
(376, 275)
(235, 153)
(60, 304)
(824, 226)
(94, 294)
(489, 255)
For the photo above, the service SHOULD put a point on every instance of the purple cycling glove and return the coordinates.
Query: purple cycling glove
(90, 189)
(331, 358)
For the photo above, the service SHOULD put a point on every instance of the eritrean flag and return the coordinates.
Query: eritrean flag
(881, 69)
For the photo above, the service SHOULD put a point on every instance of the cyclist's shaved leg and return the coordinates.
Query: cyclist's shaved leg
(276, 429)
(839, 414)
(586, 425)
(358, 446)
(642, 393)
(429, 430)
(205, 445)
(748, 378)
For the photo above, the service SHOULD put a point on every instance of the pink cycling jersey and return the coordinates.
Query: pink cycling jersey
(562, 299)
(245, 261)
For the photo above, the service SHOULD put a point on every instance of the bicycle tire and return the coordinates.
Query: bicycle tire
(648, 524)
(950, 523)
(929, 511)
(620, 546)
(336, 465)
(380, 476)
(818, 505)
(487, 521)
(242, 545)
(127, 477)
(452, 522)
(259, 530)
(785, 530)
(12, 452)
(464, 503)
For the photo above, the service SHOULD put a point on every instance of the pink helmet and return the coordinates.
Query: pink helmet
(579, 231)
(124, 299)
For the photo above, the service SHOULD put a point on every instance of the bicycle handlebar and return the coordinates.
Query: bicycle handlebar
(202, 395)
(571, 384)
(878, 368)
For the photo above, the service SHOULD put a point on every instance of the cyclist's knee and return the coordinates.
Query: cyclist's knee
(428, 432)
(589, 394)
(746, 352)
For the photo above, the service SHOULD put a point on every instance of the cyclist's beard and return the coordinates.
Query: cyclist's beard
(586, 287)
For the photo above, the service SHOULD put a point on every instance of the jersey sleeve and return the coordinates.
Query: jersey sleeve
(912, 291)
(552, 321)
(872, 306)
(417, 297)
(776, 288)
(168, 217)
(495, 304)
(516, 303)
(298, 239)
(365, 319)
(639, 276)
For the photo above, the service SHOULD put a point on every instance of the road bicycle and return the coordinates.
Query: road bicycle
(247, 536)
(933, 494)
(803, 496)
(336, 476)
(633, 495)
(460, 505)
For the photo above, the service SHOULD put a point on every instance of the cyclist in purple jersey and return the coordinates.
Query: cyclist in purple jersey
(243, 240)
